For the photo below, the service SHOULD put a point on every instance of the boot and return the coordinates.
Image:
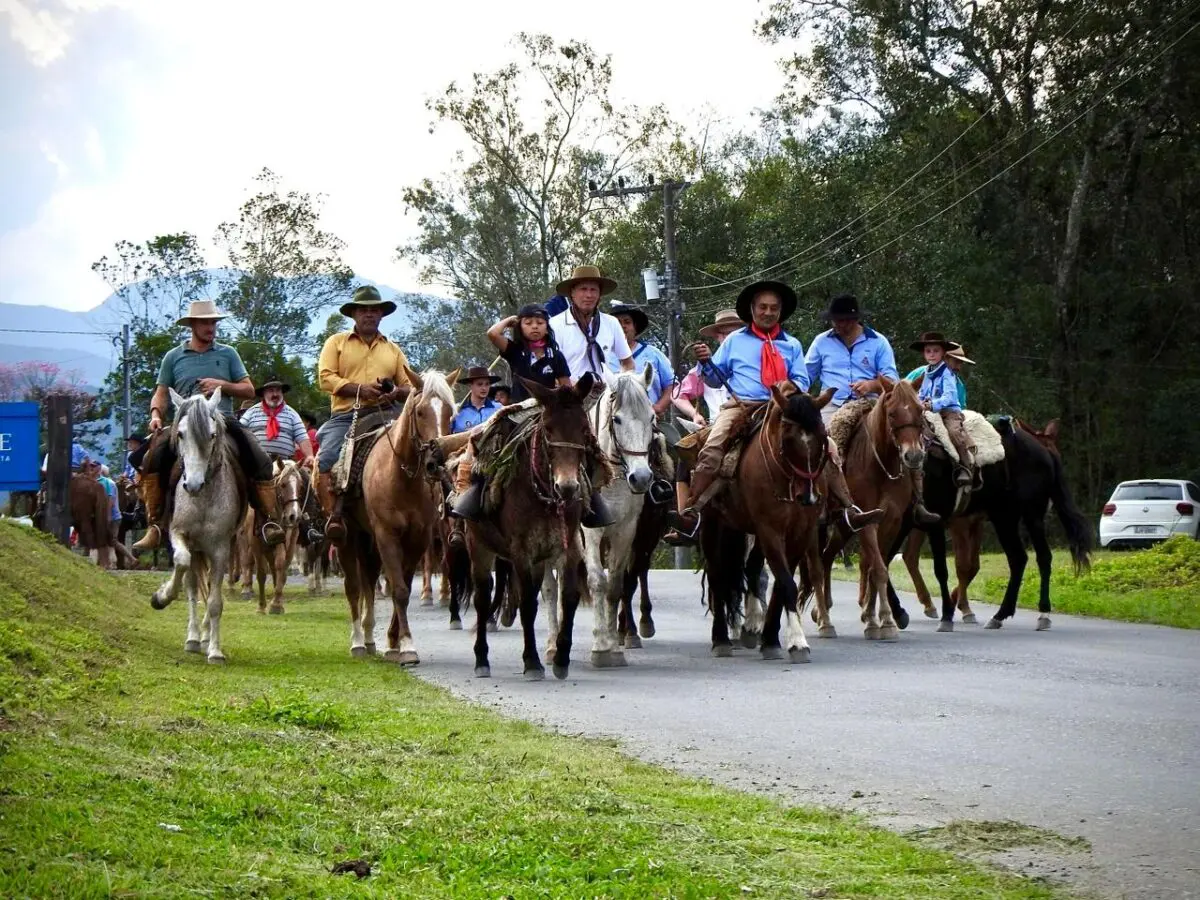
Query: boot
(675, 537)
(458, 533)
(272, 533)
(921, 515)
(598, 514)
(856, 518)
(469, 504)
(686, 521)
(152, 498)
(962, 476)
(335, 529)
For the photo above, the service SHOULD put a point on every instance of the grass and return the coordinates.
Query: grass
(129, 768)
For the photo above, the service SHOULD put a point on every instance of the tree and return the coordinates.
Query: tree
(33, 382)
(155, 280)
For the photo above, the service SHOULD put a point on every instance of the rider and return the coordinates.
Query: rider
(955, 359)
(202, 365)
(501, 393)
(477, 407)
(939, 393)
(589, 338)
(277, 426)
(633, 322)
(353, 367)
(851, 357)
(750, 361)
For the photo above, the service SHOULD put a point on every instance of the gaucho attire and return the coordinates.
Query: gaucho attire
(940, 389)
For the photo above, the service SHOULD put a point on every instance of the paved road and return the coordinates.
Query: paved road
(1091, 729)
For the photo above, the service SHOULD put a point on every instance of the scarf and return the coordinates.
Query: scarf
(774, 369)
(595, 353)
(272, 420)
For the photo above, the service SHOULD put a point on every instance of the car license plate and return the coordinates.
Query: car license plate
(1145, 529)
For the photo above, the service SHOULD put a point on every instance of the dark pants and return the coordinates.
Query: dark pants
(159, 457)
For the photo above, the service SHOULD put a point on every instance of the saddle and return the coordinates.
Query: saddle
(690, 445)
(352, 458)
(989, 446)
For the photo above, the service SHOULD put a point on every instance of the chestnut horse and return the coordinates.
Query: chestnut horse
(259, 559)
(774, 497)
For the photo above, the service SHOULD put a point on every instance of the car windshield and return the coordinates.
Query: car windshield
(1149, 491)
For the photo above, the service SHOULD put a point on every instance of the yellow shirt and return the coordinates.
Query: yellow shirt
(347, 359)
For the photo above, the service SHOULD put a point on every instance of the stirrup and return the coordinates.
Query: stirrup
(661, 491)
(598, 514)
(470, 505)
(846, 517)
(265, 534)
(335, 529)
(680, 524)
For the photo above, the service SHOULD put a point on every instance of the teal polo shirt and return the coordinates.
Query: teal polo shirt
(182, 368)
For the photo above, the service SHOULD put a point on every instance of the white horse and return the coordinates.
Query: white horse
(208, 508)
(623, 422)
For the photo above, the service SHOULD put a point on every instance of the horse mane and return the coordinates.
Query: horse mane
(436, 385)
(216, 423)
(627, 387)
(801, 410)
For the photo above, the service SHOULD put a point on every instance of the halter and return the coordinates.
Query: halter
(543, 487)
(623, 452)
(777, 459)
(423, 447)
(895, 443)
(296, 499)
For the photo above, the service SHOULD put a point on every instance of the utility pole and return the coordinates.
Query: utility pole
(59, 434)
(126, 418)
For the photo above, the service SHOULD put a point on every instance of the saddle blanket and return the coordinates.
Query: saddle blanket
(989, 448)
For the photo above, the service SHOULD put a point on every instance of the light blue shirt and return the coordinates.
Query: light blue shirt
(664, 375)
(940, 388)
(837, 366)
(110, 488)
(962, 385)
(469, 416)
(739, 359)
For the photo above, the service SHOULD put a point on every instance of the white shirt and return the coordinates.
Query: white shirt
(574, 345)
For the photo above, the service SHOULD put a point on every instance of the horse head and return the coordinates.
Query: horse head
(905, 418)
(626, 425)
(199, 432)
(289, 492)
(566, 433)
(433, 405)
(801, 438)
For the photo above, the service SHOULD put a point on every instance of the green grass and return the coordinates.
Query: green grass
(294, 757)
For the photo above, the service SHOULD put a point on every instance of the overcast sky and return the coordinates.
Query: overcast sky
(131, 118)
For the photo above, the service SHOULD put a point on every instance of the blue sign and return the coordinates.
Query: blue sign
(19, 425)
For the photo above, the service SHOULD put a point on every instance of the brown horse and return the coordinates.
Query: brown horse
(884, 444)
(774, 498)
(389, 524)
(255, 557)
(537, 522)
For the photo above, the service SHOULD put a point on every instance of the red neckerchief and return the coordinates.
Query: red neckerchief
(272, 420)
(774, 369)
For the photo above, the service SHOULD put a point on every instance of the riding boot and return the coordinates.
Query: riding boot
(921, 514)
(458, 533)
(335, 528)
(686, 521)
(598, 514)
(272, 532)
(856, 518)
(675, 537)
(152, 497)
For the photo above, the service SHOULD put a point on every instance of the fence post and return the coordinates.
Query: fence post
(59, 431)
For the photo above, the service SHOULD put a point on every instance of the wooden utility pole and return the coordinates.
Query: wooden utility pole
(59, 431)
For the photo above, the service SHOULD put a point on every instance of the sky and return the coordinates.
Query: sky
(125, 119)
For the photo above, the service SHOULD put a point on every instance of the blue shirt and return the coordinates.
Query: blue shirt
(110, 488)
(739, 359)
(837, 366)
(469, 416)
(940, 388)
(182, 368)
(664, 375)
(962, 386)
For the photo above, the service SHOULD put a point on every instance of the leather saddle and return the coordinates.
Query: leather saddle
(689, 446)
(352, 458)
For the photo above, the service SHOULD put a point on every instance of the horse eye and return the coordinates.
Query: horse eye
(616, 420)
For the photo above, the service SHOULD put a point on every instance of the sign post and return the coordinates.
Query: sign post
(58, 466)
(19, 458)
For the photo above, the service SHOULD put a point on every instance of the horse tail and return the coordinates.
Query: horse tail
(1079, 532)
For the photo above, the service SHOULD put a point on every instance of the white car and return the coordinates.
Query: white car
(1144, 512)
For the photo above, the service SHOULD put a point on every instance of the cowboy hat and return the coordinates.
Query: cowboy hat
(585, 273)
(367, 297)
(136, 438)
(932, 337)
(272, 381)
(476, 372)
(641, 321)
(957, 353)
(787, 297)
(726, 320)
(201, 309)
(844, 306)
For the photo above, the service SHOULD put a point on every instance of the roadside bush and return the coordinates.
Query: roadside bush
(1173, 563)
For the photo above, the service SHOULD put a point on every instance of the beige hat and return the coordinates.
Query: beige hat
(726, 320)
(957, 353)
(585, 273)
(201, 309)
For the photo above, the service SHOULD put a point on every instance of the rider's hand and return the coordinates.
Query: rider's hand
(155, 421)
(701, 351)
(208, 385)
(698, 419)
(928, 404)
(862, 388)
(369, 393)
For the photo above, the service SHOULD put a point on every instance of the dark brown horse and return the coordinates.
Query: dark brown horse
(652, 525)
(774, 497)
(536, 524)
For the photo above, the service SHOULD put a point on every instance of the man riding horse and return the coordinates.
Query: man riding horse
(201, 365)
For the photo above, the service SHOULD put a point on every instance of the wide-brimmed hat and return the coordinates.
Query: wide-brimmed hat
(272, 381)
(641, 321)
(726, 320)
(585, 273)
(478, 372)
(785, 294)
(367, 297)
(202, 309)
(932, 337)
(957, 353)
(139, 438)
(844, 306)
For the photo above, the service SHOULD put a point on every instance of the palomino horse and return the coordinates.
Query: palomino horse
(623, 422)
(775, 499)
(209, 500)
(887, 441)
(391, 521)
(536, 523)
(289, 497)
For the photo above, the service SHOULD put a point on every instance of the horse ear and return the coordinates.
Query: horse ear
(778, 396)
(822, 401)
(648, 375)
(414, 378)
(452, 378)
(583, 387)
(176, 397)
(609, 379)
(537, 390)
(214, 402)
(1051, 431)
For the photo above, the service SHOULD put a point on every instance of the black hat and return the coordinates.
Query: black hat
(478, 372)
(496, 388)
(272, 381)
(641, 321)
(533, 310)
(785, 294)
(844, 306)
(932, 337)
(139, 438)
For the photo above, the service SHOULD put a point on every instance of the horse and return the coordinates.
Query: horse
(88, 505)
(886, 442)
(210, 497)
(774, 498)
(623, 422)
(653, 523)
(389, 525)
(289, 498)
(536, 523)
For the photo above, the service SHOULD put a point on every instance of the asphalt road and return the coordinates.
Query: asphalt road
(1091, 729)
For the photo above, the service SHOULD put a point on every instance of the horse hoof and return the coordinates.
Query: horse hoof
(902, 619)
(157, 602)
(633, 642)
(772, 652)
(800, 655)
(216, 660)
(538, 674)
(722, 651)
(1043, 623)
(945, 627)
(508, 617)
(276, 610)
(371, 650)
(749, 639)
(993, 624)
(970, 619)
(827, 632)
(427, 601)
(483, 671)
(560, 672)
(261, 611)
(871, 634)
(406, 658)
(608, 659)
(192, 647)
(930, 612)
(358, 652)
(492, 627)
(889, 633)
(646, 628)
(456, 625)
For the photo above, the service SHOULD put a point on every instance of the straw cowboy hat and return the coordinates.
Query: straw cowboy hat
(367, 297)
(272, 381)
(201, 309)
(641, 321)
(957, 353)
(844, 306)
(476, 372)
(787, 297)
(585, 273)
(932, 337)
(726, 320)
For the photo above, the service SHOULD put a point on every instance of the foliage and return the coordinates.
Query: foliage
(155, 280)
(33, 382)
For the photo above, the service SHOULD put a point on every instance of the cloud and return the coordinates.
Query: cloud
(40, 33)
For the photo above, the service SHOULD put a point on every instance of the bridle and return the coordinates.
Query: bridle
(895, 432)
(423, 447)
(285, 502)
(773, 457)
(623, 452)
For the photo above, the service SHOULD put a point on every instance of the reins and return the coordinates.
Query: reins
(776, 458)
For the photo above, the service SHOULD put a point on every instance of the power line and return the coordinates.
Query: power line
(60, 331)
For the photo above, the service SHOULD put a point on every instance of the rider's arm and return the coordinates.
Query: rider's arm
(243, 389)
(158, 406)
(885, 361)
(495, 334)
(666, 381)
(719, 364)
(812, 362)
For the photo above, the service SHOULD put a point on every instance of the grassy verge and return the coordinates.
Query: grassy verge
(129, 768)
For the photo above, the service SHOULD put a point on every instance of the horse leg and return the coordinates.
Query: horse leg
(912, 562)
(899, 613)
(279, 578)
(508, 609)
(498, 594)
(812, 559)
(1041, 549)
(529, 580)
(773, 552)
(401, 648)
(353, 586)
(755, 610)
(606, 651)
(626, 627)
(868, 586)
(937, 546)
(550, 597)
(1010, 540)
(720, 562)
(169, 589)
(967, 537)
(565, 630)
(370, 566)
(888, 628)
(646, 621)
(481, 576)
(217, 561)
(427, 577)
